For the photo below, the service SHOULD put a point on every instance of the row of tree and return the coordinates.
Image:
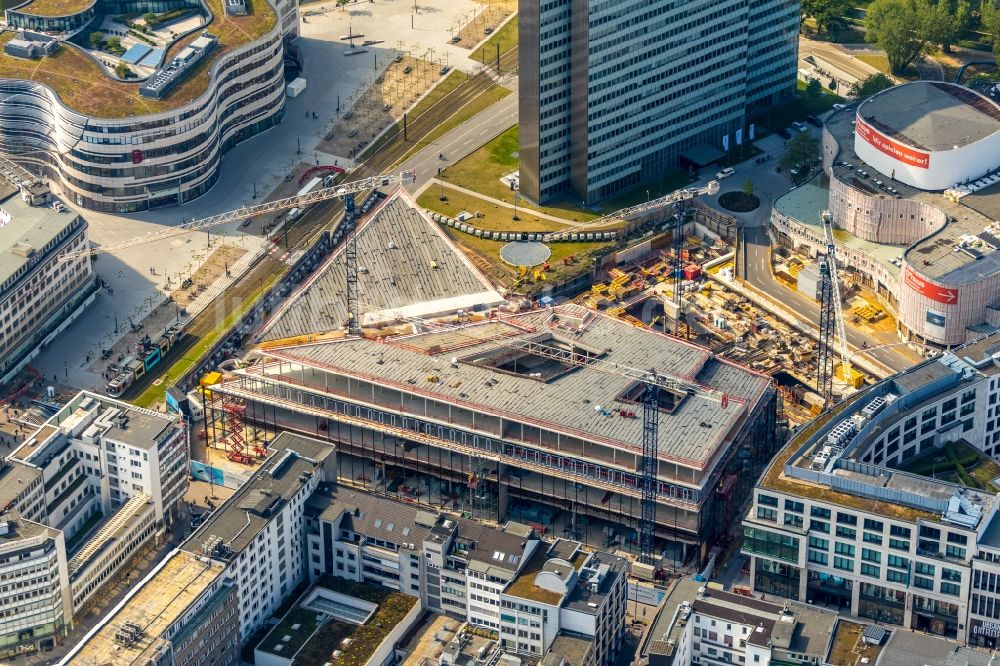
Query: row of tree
(910, 29)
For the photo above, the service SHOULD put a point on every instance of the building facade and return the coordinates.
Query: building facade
(612, 93)
(40, 294)
(118, 156)
(850, 515)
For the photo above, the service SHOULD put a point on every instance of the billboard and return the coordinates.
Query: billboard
(905, 154)
(935, 318)
(928, 289)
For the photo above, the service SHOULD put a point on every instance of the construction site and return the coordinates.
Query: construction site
(437, 390)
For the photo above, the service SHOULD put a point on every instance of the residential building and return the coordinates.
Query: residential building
(40, 294)
(476, 417)
(855, 513)
(706, 625)
(155, 139)
(183, 613)
(258, 534)
(35, 607)
(614, 94)
(93, 487)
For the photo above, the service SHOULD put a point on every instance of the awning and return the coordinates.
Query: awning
(701, 155)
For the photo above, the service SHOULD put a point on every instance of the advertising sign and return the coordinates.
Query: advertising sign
(904, 154)
(985, 629)
(931, 291)
(935, 318)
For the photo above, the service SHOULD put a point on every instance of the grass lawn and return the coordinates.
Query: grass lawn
(881, 63)
(943, 463)
(154, 392)
(496, 218)
(505, 38)
(798, 109)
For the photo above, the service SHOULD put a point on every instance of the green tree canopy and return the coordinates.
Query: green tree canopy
(802, 147)
(904, 29)
(870, 85)
(96, 39)
(989, 16)
(828, 14)
(814, 88)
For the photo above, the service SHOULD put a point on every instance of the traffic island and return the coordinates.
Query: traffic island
(739, 202)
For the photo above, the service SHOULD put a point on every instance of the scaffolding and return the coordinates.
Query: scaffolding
(234, 415)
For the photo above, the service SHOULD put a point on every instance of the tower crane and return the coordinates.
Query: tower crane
(298, 201)
(678, 197)
(831, 318)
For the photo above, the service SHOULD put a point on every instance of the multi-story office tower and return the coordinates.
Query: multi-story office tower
(613, 92)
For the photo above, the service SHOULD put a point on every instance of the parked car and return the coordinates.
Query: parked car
(725, 173)
(784, 134)
(814, 121)
(839, 106)
(799, 127)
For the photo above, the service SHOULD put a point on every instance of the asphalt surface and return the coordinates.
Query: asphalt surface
(757, 272)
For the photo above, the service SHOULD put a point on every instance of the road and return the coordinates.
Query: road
(756, 271)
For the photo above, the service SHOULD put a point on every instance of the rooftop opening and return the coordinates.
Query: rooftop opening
(668, 400)
(544, 359)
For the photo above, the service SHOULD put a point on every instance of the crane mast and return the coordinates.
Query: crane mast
(831, 318)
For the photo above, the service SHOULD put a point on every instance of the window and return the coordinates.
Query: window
(873, 538)
(819, 512)
(818, 557)
(869, 555)
(955, 537)
(846, 518)
(819, 526)
(843, 549)
(847, 532)
(954, 552)
(767, 500)
(816, 542)
(898, 562)
(763, 513)
(951, 574)
(930, 532)
(950, 588)
(791, 505)
(897, 577)
(843, 563)
(924, 569)
(899, 544)
(901, 532)
(870, 570)
(792, 520)
(873, 525)
(923, 583)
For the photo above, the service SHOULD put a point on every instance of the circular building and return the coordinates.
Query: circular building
(929, 134)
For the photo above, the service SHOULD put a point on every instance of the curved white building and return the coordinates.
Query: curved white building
(933, 260)
(929, 134)
(116, 148)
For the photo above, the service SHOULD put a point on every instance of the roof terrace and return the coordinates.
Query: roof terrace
(83, 86)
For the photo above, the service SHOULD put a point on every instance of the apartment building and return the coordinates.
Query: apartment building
(66, 483)
(35, 606)
(39, 293)
(258, 534)
(612, 94)
(183, 614)
(858, 513)
(700, 625)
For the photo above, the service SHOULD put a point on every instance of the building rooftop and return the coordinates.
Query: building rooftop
(14, 478)
(159, 603)
(494, 549)
(407, 267)
(584, 597)
(492, 377)
(236, 523)
(53, 7)
(930, 115)
(83, 86)
(908, 648)
(372, 515)
(806, 202)
(523, 585)
(572, 648)
(933, 255)
(16, 529)
(25, 230)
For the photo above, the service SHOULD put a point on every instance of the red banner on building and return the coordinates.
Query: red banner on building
(931, 291)
(894, 149)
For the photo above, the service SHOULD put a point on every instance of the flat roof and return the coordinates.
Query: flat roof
(82, 85)
(158, 604)
(397, 247)
(30, 228)
(572, 648)
(934, 255)
(931, 115)
(910, 648)
(582, 401)
(23, 529)
(14, 478)
(523, 584)
(806, 202)
(53, 7)
(581, 596)
(241, 518)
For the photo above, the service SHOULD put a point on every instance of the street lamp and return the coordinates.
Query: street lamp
(515, 217)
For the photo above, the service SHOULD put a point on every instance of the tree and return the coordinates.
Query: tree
(951, 18)
(122, 71)
(114, 43)
(802, 147)
(828, 14)
(870, 85)
(904, 29)
(149, 18)
(96, 39)
(989, 16)
(814, 88)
